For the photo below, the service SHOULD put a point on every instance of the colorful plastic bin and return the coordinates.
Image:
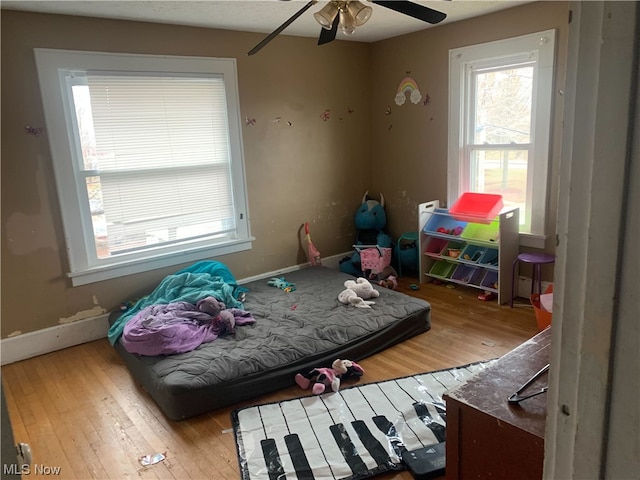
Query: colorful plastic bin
(472, 253)
(467, 274)
(489, 280)
(477, 207)
(442, 269)
(443, 222)
(490, 257)
(435, 245)
(481, 233)
(456, 246)
(543, 316)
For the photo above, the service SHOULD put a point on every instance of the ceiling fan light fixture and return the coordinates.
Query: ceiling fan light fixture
(326, 15)
(360, 12)
(347, 22)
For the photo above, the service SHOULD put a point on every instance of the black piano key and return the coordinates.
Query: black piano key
(424, 415)
(298, 457)
(386, 427)
(348, 449)
(272, 459)
(442, 412)
(371, 443)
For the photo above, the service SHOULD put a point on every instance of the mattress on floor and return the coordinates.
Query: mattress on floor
(294, 332)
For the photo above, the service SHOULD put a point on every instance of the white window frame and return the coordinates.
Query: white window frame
(540, 47)
(53, 67)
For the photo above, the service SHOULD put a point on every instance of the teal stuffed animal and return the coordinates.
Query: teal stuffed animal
(370, 220)
(282, 284)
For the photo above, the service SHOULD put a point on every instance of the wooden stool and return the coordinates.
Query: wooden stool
(536, 260)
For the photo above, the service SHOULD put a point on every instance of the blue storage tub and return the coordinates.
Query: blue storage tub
(490, 257)
(444, 222)
(473, 253)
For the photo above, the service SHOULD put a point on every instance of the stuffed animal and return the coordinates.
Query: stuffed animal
(224, 321)
(357, 293)
(362, 287)
(282, 284)
(387, 278)
(390, 282)
(321, 379)
(347, 369)
(349, 297)
(370, 220)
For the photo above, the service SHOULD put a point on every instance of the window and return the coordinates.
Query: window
(499, 123)
(147, 154)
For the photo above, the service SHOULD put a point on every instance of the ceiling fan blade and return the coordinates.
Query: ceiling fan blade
(277, 31)
(327, 36)
(414, 10)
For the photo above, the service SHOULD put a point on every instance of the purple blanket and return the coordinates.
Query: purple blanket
(178, 327)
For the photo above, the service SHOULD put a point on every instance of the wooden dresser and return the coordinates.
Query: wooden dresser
(487, 437)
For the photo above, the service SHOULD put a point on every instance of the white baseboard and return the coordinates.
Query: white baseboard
(47, 340)
(32, 344)
(331, 262)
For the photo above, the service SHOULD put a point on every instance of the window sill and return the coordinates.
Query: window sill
(98, 274)
(533, 241)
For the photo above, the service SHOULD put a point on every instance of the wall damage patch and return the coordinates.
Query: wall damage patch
(94, 312)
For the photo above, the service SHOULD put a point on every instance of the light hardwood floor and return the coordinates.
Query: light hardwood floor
(79, 409)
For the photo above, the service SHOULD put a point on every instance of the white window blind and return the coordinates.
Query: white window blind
(147, 153)
(161, 151)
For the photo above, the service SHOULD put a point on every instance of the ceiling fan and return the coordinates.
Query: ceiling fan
(350, 14)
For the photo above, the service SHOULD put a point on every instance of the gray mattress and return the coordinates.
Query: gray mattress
(294, 332)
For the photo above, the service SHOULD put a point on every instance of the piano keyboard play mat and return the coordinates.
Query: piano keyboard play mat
(355, 433)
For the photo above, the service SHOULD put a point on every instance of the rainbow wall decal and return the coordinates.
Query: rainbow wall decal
(408, 85)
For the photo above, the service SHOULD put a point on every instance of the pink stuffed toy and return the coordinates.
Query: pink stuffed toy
(321, 379)
(347, 369)
(324, 378)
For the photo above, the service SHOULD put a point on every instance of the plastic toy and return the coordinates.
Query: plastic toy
(313, 255)
(487, 296)
(370, 220)
(321, 379)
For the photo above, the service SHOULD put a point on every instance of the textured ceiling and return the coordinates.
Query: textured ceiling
(259, 15)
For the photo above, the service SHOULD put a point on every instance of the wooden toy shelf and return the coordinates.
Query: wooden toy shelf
(477, 255)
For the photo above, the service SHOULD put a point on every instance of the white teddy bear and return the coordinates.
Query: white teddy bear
(358, 293)
(362, 287)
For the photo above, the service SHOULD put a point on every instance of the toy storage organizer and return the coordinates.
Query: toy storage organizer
(478, 255)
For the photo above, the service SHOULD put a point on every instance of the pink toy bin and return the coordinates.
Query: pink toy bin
(477, 207)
